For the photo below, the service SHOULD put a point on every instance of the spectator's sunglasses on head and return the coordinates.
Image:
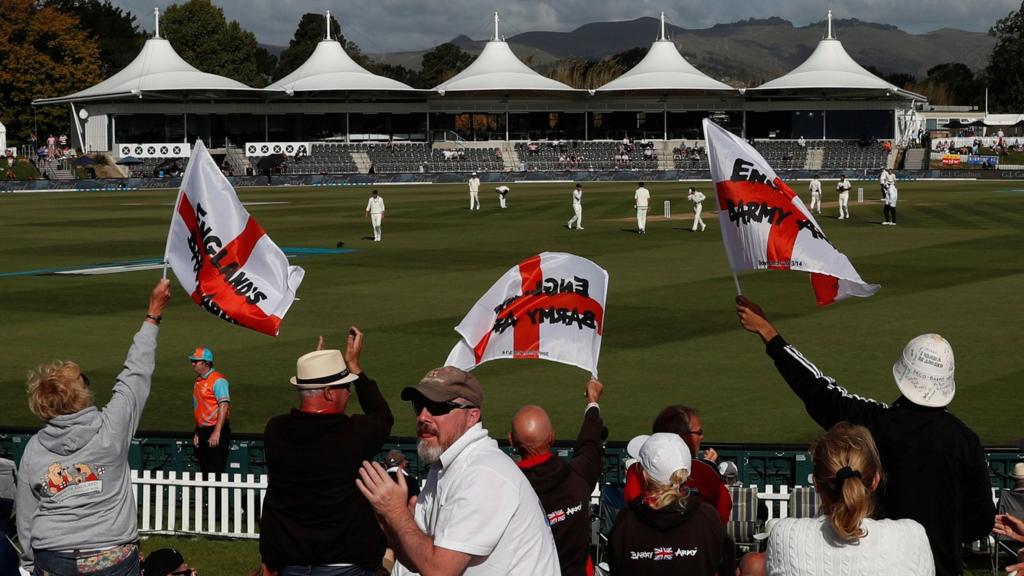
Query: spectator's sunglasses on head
(437, 408)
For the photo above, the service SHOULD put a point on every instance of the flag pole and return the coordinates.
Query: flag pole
(735, 279)
(165, 269)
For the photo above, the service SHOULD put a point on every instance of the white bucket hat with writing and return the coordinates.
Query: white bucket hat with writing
(924, 372)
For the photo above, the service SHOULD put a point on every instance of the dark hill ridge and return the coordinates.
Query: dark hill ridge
(746, 52)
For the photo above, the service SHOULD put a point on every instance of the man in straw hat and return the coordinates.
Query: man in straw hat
(935, 466)
(477, 513)
(313, 517)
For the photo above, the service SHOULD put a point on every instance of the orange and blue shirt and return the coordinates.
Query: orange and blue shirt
(209, 391)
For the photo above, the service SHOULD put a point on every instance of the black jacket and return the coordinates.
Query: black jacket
(564, 489)
(934, 465)
(313, 513)
(648, 542)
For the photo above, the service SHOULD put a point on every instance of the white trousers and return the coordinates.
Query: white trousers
(697, 221)
(844, 208)
(501, 200)
(577, 218)
(641, 218)
(474, 200)
(816, 201)
(375, 220)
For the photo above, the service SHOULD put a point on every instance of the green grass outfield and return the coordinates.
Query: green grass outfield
(953, 265)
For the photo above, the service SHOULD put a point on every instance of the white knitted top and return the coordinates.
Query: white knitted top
(810, 547)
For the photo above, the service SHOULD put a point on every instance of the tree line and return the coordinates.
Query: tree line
(51, 48)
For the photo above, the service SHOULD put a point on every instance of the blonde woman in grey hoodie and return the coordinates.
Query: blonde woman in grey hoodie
(75, 510)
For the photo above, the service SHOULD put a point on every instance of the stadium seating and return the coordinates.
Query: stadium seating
(466, 160)
(690, 159)
(743, 522)
(783, 154)
(803, 502)
(850, 154)
(583, 155)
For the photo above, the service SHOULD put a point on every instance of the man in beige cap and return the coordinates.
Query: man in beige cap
(313, 517)
(476, 514)
(935, 467)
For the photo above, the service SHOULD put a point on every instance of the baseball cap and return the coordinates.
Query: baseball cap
(660, 454)
(1018, 471)
(474, 173)
(728, 468)
(447, 383)
(204, 354)
(162, 562)
(924, 372)
(394, 458)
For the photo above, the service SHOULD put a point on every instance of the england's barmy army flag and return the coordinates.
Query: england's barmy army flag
(550, 306)
(221, 255)
(765, 225)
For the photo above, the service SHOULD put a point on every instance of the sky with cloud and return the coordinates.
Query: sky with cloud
(397, 25)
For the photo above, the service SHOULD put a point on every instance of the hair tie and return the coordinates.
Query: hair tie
(846, 472)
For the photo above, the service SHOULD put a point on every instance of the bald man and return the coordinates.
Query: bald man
(564, 487)
(752, 564)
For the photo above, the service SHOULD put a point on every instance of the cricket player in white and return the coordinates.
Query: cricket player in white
(502, 193)
(843, 187)
(641, 201)
(815, 188)
(577, 208)
(375, 210)
(697, 199)
(474, 192)
(889, 210)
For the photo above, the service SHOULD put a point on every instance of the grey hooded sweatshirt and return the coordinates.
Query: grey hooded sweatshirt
(74, 484)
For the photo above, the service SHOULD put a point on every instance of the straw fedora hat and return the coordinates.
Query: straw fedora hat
(321, 369)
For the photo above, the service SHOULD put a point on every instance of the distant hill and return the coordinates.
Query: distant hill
(747, 52)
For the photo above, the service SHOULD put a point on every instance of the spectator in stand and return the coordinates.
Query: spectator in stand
(397, 464)
(75, 506)
(917, 437)
(702, 478)
(666, 530)
(476, 514)
(51, 147)
(314, 521)
(564, 487)
(847, 471)
(801, 142)
(63, 140)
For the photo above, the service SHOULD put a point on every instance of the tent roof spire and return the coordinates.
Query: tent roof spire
(328, 25)
(663, 26)
(497, 36)
(829, 37)
(156, 18)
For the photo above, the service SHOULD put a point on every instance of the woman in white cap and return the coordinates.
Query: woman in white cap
(845, 540)
(665, 531)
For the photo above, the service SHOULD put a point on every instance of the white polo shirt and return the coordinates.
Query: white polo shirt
(375, 205)
(478, 502)
(642, 196)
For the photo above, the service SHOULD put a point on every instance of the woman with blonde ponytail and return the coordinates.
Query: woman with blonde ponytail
(845, 540)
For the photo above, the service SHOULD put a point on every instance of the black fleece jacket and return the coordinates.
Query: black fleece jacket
(668, 542)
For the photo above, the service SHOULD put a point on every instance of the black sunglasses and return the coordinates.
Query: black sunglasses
(437, 408)
(85, 379)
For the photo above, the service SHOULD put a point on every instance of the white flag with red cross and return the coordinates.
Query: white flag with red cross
(548, 307)
(765, 225)
(221, 255)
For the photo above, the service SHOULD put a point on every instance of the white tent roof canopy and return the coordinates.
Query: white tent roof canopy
(664, 68)
(157, 69)
(1003, 119)
(498, 69)
(330, 68)
(831, 67)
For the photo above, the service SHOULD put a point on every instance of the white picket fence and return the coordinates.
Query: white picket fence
(171, 503)
(227, 505)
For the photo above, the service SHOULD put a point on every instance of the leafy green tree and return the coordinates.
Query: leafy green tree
(1005, 72)
(395, 72)
(44, 53)
(952, 83)
(442, 63)
(118, 35)
(310, 32)
(202, 36)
